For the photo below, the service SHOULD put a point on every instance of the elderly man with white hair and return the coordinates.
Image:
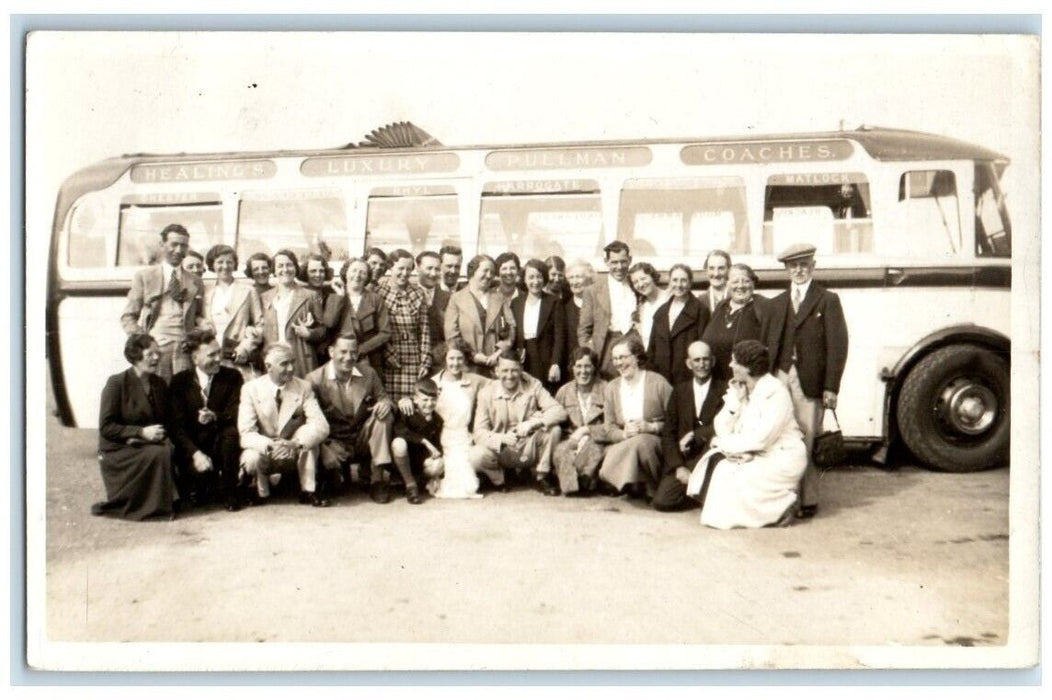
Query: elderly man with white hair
(281, 426)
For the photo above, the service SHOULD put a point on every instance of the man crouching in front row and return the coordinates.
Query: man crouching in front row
(361, 418)
(516, 427)
(281, 426)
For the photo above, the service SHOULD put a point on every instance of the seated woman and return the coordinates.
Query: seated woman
(750, 475)
(135, 453)
(577, 458)
(458, 389)
(635, 404)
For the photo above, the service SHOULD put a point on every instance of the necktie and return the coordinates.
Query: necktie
(173, 284)
(277, 399)
(701, 408)
(796, 299)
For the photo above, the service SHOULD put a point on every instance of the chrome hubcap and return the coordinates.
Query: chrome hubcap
(967, 407)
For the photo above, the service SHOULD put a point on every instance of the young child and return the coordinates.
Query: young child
(415, 445)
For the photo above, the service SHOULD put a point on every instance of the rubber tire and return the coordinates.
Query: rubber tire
(917, 423)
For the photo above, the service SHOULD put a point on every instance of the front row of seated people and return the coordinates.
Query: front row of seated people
(734, 449)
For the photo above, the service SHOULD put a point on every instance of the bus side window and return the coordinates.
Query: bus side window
(684, 217)
(89, 244)
(415, 224)
(541, 225)
(993, 231)
(308, 221)
(139, 240)
(929, 214)
(832, 211)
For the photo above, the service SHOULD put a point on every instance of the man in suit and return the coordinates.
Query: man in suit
(165, 301)
(204, 402)
(806, 335)
(516, 426)
(717, 269)
(281, 426)
(607, 307)
(428, 275)
(688, 428)
(451, 258)
(360, 416)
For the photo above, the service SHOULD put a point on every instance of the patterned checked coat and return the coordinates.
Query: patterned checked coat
(409, 350)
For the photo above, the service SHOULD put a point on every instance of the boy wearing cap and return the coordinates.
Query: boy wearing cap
(806, 335)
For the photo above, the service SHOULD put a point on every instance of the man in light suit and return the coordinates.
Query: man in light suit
(717, 269)
(428, 275)
(166, 302)
(607, 307)
(688, 428)
(806, 335)
(281, 425)
(360, 415)
(516, 426)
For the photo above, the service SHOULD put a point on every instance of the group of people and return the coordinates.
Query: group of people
(393, 373)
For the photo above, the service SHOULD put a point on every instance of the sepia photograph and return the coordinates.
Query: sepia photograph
(396, 351)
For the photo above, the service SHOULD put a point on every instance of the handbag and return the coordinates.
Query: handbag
(828, 449)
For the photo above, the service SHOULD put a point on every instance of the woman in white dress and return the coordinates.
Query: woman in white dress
(457, 390)
(757, 456)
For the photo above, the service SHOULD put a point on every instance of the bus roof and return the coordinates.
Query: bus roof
(879, 142)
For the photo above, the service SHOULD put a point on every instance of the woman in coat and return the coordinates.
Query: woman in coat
(481, 317)
(644, 280)
(577, 458)
(353, 308)
(633, 421)
(738, 317)
(293, 314)
(757, 456)
(408, 354)
(234, 311)
(677, 323)
(135, 454)
(539, 331)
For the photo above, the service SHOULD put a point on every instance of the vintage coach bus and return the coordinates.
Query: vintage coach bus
(911, 229)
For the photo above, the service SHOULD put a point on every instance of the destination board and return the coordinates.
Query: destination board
(398, 164)
(549, 158)
(767, 152)
(207, 170)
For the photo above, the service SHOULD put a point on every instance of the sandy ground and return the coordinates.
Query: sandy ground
(903, 557)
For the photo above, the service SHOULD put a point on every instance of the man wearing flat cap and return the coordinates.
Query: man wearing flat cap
(806, 335)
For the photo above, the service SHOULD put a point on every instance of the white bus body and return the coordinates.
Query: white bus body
(911, 231)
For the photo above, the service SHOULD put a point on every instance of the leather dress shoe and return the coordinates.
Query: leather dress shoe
(547, 488)
(380, 493)
(319, 501)
(233, 504)
(412, 494)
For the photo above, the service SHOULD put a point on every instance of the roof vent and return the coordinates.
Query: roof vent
(397, 135)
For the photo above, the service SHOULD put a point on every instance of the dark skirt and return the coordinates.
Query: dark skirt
(537, 368)
(139, 482)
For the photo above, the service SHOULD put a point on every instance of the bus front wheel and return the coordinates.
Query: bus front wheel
(953, 411)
